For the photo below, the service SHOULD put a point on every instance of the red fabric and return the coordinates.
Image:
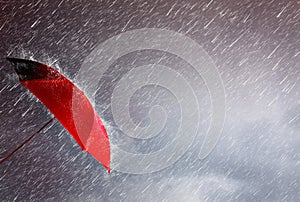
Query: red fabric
(74, 111)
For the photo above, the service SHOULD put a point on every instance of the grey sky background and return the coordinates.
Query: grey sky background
(255, 46)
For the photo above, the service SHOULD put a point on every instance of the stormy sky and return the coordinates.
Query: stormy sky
(254, 44)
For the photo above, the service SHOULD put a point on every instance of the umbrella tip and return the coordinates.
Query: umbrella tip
(108, 170)
(10, 59)
(13, 59)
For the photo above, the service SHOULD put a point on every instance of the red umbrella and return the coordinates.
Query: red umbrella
(68, 104)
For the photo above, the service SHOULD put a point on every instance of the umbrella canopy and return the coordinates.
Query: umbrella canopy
(68, 104)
